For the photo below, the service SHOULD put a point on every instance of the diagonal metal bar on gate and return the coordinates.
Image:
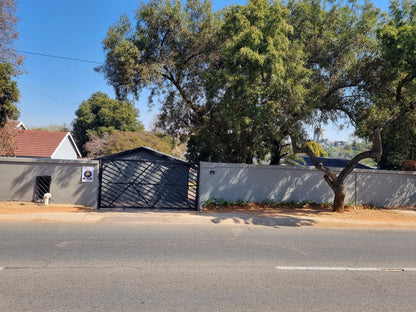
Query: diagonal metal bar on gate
(109, 187)
(131, 183)
(163, 174)
(111, 166)
(150, 184)
(174, 194)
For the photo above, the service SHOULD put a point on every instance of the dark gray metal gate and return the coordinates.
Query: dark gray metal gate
(131, 183)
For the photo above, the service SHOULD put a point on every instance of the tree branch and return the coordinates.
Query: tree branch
(399, 88)
(168, 75)
(192, 56)
(374, 153)
(329, 176)
(330, 183)
(163, 39)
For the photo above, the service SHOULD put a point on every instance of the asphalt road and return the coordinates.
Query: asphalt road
(166, 267)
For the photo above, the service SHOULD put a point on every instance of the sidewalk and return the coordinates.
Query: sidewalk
(294, 218)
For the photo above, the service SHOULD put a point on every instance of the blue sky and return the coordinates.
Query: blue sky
(52, 89)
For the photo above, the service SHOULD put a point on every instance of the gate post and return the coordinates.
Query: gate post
(100, 181)
(197, 187)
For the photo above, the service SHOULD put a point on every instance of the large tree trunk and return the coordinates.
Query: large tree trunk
(275, 159)
(339, 198)
(276, 153)
(249, 159)
(337, 182)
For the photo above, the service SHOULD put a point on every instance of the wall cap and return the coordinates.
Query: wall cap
(212, 165)
(24, 160)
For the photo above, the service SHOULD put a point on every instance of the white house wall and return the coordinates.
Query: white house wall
(65, 150)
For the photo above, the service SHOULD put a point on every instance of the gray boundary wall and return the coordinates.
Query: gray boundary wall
(18, 176)
(256, 183)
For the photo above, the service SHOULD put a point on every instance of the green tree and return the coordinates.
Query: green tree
(9, 95)
(399, 142)
(10, 62)
(100, 114)
(340, 41)
(397, 87)
(382, 86)
(256, 95)
(168, 51)
(201, 68)
(241, 85)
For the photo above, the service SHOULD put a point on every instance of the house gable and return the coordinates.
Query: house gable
(67, 149)
(45, 144)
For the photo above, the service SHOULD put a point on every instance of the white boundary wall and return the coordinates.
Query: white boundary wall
(18, 176)
(256, 183)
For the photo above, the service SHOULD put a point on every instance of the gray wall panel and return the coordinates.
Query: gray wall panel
(18, 175)
(282, 183)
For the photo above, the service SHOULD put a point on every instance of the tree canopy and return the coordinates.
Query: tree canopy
(399, 142)
(120, 141)
(9, 62)
(256, 94)
(168, 51)
(398, 42)
(100, 114)
(9, 95)
(380, 86)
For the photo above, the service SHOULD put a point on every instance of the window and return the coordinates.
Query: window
(42, 186)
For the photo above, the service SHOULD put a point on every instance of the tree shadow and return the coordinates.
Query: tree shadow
(217, 218)
(255, 183)
(272, 221)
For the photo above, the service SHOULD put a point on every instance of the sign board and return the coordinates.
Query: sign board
(87, 174)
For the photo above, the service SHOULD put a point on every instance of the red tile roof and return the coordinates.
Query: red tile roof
(15, 123)
(35, 143)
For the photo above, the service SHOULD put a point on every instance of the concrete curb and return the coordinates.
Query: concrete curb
(163, 217)
(107, 217)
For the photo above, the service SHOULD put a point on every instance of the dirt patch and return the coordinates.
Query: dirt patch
(322, 213)
(282, 214)
(16, 207)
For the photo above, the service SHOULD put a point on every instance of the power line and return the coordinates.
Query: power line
(58, 57)
(43, 93)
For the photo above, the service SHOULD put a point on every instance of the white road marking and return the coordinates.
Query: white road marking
(63, 244)
(311, 268)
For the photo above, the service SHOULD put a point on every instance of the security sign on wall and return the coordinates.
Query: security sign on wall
(87, 174)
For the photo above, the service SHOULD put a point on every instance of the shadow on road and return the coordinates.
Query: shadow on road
(265, 221)
(225, 217)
